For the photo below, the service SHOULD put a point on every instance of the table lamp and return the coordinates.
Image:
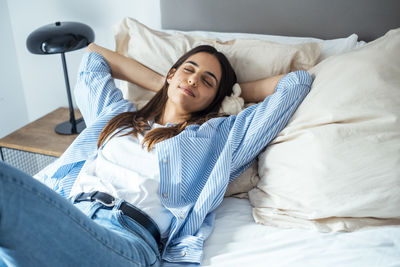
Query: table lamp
(59, 38)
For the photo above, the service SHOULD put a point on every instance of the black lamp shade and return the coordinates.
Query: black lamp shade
(59, 37)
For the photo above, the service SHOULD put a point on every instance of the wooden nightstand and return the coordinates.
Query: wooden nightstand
(36, 145)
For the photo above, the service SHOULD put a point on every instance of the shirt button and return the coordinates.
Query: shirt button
(183, 253)
(182, 216)
(165, 161)
(165, 195)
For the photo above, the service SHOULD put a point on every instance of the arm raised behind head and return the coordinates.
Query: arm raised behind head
(257, 91)
(128, 69)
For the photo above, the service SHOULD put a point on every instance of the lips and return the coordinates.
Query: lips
(187, 91)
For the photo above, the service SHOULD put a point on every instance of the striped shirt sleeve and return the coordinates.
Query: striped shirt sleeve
(95, 92)
(253, 128)
(99, 100)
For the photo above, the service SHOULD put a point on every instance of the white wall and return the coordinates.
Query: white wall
(41, 76)
(13, 112)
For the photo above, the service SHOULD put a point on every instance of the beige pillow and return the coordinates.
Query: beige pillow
(251, 59)
(336, 166)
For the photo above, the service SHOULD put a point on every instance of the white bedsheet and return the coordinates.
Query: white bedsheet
(238, 241)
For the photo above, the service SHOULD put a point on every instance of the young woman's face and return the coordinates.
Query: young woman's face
(193, 86)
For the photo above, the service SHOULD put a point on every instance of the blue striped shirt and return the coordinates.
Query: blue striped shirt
(196, 165)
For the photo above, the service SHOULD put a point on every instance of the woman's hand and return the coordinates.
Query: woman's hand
(257, 91)
(128, 69)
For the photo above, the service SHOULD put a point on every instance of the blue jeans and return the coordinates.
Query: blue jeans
(38, 227)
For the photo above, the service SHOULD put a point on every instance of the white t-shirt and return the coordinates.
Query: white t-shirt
(126, 170)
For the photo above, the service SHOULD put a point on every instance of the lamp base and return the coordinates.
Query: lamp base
(67, 129)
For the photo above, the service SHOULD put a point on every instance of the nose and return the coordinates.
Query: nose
(193, 80)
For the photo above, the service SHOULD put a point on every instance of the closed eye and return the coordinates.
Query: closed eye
(207, 83)
(195, 64)
(207, 75)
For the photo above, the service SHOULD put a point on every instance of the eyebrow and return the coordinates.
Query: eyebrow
(209, 73)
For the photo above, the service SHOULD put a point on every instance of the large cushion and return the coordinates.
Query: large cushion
(336, 166)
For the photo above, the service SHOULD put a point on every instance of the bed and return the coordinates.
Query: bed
(237, 240)
(307, 212)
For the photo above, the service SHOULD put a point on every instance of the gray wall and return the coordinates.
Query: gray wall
(306, 18)
(13, 112)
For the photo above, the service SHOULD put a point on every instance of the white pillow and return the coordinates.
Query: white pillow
(329, 47)
(251, 59)
(336, 166)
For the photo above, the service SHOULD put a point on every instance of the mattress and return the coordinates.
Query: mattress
(238, 241)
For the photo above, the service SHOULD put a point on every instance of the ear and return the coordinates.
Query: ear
(170, 75)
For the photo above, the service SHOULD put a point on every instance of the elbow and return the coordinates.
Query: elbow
(304, 78)
(298, 82)
(302, 81)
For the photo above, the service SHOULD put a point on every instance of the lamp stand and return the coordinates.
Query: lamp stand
(72, 126)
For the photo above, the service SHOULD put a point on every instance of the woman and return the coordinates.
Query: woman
(143, 184)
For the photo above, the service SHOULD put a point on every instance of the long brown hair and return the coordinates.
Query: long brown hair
(137, 121)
